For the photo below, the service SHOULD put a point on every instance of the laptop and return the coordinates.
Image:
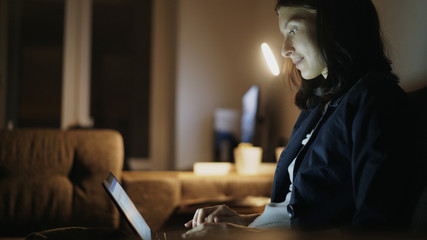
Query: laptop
(130, 212)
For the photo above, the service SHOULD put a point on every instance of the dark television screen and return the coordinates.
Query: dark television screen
(249, 114)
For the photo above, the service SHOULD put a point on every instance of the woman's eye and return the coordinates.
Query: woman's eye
(293, 31)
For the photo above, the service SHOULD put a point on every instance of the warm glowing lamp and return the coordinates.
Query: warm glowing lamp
(270, 59)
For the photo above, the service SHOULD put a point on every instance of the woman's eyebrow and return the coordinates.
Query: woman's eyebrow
(294, 18)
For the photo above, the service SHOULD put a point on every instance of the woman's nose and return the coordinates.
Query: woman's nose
(287, 49)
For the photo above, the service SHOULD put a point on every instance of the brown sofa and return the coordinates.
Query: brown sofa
(52, 179)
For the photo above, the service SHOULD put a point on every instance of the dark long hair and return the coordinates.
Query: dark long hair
(349, 38)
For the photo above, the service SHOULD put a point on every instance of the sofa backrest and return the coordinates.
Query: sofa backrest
(419, 102)
(52, 178)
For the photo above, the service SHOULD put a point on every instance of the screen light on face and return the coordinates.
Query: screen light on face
(270, 59)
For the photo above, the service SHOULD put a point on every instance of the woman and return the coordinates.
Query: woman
(348, 162)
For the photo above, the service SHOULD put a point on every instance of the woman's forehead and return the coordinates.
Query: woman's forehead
(288, 14)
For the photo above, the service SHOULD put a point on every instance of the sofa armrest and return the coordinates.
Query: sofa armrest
(243, 193)
(155, 194)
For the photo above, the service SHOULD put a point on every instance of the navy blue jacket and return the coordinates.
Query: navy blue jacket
(356, 169)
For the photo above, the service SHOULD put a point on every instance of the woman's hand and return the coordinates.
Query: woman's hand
(216, 214)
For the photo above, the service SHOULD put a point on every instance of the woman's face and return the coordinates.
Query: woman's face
(298, 26)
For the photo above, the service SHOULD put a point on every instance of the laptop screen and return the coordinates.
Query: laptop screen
(124, 203)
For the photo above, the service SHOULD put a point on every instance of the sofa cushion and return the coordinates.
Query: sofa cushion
(52, 178)
(419, 103)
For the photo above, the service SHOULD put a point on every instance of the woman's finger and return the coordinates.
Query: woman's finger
(189, 223)
(210, 217)
(196, 215)
(201, 231)
(201, 215)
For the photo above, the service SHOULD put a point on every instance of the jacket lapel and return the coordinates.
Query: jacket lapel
(302, 127)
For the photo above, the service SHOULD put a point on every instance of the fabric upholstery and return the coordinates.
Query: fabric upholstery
(419, 102)
(155, 194)
(243, 193)
(52, 178)
(158, 195)
(223, 188)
